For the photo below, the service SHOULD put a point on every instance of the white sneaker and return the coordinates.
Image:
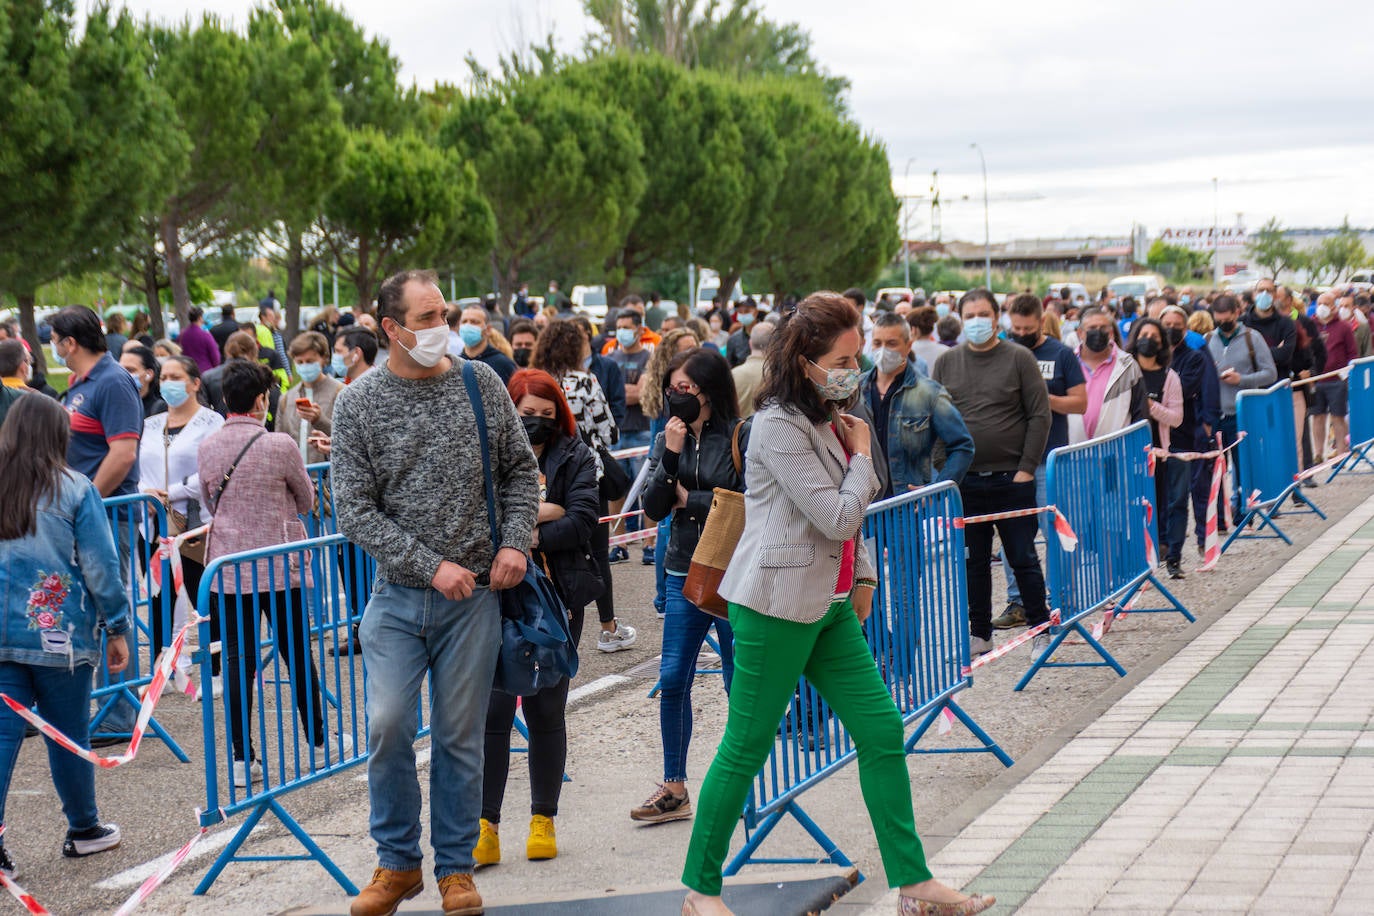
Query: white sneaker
(622, 637)
(216, 688)
(977, 646)
(1038, 646)
(243, 772)
(338, 753)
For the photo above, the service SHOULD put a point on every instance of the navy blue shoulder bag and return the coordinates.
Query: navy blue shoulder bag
(537, 649)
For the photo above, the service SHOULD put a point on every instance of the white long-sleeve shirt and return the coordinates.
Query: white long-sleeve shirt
(161, 460)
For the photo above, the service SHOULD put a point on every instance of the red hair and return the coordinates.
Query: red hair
(542, 385)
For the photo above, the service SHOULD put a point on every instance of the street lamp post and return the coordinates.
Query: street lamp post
(987, 237)
(1216, 211)
(906, 222)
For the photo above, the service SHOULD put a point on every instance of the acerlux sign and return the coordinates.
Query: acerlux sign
(1206, 239)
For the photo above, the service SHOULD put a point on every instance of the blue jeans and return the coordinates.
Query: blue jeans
(123, 714)
(63, 697)
(407, 633)
(665, 531)
(1013, 590)
(684, 630)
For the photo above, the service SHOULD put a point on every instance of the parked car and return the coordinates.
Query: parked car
(590, 301)
(708, 285)
(1076, 290)
(1362, 279)
(1136, 285)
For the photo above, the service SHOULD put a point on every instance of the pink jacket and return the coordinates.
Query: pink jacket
(260, 504)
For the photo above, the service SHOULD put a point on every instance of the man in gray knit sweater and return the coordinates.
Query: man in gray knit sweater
(408, 488)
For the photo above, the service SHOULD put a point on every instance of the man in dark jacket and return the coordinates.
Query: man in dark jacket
(1201, 415)
(737, 346)
(227, 326)
(1276, 328)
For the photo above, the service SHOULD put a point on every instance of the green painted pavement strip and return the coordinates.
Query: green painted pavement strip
(1221, 675)
(1025, 864)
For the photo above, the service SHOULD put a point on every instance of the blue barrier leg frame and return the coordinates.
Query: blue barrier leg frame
(1266, 512)
(757, 834)
(715, 647)
(154, 727)
(988, 746)
(1347, 465)
(313, 850)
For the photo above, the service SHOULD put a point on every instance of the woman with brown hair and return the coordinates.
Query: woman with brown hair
(799, 587)
(562, 351)
(59, 582)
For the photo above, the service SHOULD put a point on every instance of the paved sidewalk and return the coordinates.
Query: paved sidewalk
(1237, 778)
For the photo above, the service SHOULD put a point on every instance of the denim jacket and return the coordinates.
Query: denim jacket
(922, 413)
(59, 583)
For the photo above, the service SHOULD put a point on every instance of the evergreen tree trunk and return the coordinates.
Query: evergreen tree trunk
(176, 271)
(295, 281)
(29, 328)
(150, 290)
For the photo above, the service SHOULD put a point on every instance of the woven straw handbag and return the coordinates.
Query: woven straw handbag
(719, 537)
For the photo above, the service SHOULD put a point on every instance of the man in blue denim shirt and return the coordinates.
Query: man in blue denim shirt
(911, 413)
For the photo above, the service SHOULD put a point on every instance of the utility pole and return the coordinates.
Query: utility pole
(906, 222)
(987, 236)
(1216, 212)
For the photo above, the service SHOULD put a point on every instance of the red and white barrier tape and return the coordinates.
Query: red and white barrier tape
(1013, 643)
(1067, 539)
(26, 900)
(1322, 468)
(1342, 372)
(637, 452)
(630, 537)
(1196, 456)
(165, 663)
(1212, 548)
(154, 881)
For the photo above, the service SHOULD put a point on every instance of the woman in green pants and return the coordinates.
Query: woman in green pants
(799, 587)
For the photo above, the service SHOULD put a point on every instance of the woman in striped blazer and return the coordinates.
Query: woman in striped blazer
(799, 587)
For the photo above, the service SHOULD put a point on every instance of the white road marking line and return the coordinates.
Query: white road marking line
(133, 877)
(577, 694)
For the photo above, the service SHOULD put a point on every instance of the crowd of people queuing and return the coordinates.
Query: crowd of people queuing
(813, 409)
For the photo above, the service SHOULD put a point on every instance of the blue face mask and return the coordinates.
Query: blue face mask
(746, 319)
(336, 365)
(309, 372)
(57, 357)
(941, 309)
(175, 393)
(471, 334)
(627, 337)
(1185, 299)
(978, 331)
(1264, 301)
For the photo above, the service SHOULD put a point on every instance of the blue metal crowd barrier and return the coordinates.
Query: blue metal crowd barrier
(1360, 384)
(1267, 463)
(320, 520)
(1104, 489)
(919, 633)
(136, 522)
(298, 646)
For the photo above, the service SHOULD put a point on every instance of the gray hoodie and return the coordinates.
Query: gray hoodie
(1252, 361)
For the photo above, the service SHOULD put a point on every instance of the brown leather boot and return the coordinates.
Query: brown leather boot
(460, 896)
(387, 890)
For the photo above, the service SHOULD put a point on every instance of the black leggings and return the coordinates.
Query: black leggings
(291, 635)
(191, 573)
(545, 714)
(601, 552)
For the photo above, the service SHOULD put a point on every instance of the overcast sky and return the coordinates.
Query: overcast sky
(1093, 116)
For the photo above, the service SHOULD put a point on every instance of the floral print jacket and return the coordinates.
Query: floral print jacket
(59, 584)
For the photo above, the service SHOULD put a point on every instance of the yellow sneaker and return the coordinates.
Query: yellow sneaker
(488, 851)
(542, 844)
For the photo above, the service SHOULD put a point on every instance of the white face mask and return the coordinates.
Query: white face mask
(889, 360)
(1346, 313)
(431, 345)
(1323, 312)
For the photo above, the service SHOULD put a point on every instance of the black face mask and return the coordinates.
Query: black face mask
(1147, 347)
(1175, 336)
(522, 357)
(1097, 340)
(1226, 327)
(539, 429)
(1026, 340)
(685, 407)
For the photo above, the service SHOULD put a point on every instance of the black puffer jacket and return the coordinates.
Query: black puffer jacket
(569, 470)
(701, 468)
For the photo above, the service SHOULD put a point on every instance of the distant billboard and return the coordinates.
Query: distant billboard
(1206, 239)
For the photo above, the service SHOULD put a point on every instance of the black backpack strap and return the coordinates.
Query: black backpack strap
(219, 491)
